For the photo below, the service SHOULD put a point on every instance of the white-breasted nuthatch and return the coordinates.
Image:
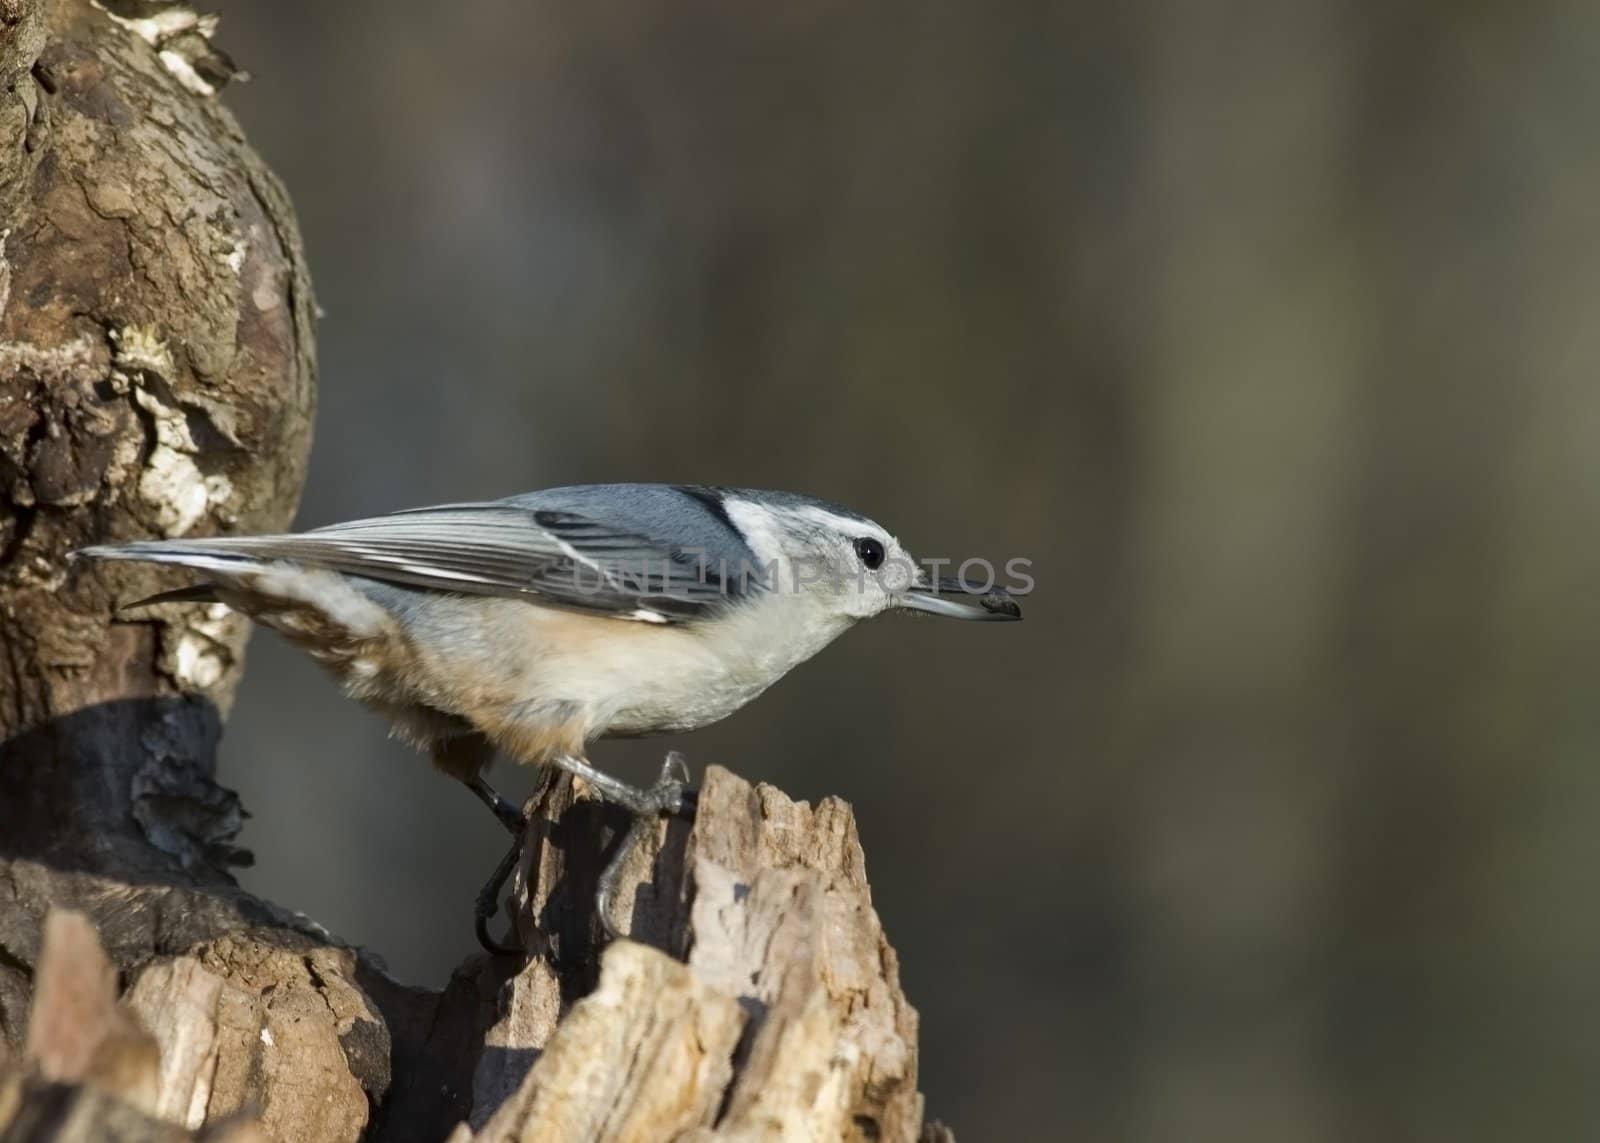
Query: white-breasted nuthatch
(539, 623)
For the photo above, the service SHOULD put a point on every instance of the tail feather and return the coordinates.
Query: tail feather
(292, 598)
(197, 555)
(202, 555)
(194, 593)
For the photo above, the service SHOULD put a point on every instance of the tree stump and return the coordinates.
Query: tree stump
(156, 379)
(773, 1011)
(766, 1004)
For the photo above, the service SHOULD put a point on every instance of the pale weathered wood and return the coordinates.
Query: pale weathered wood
(769, 899)
(204, 1039)
(226, 1012)
(783, 916)
(98, 1073)
(241, 1027)
(531, 1005)
(177, 1000)
(774, 1013)
(77, 1032)
(645, 1056)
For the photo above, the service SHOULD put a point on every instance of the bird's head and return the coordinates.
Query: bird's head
(847, 566)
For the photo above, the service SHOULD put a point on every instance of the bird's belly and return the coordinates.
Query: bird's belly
(521, 671)
(646, 680)
(668, 709)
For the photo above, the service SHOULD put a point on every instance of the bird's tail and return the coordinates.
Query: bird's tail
(259, 576)
(202, 555)
(205, 556)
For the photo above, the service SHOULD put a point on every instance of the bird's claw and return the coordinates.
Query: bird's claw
(488, 903)
(675, 768)
(671, 793)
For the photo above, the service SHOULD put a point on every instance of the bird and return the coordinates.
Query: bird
(537, 624)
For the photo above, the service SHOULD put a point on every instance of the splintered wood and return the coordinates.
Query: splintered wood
(77, 1032)
(759, 1000)
(186, 1047)
(647, 1055)
(787, 1023)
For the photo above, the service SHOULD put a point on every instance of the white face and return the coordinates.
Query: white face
(850, 568)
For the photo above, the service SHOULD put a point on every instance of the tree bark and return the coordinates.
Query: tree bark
(767, 1007)
(156, 378)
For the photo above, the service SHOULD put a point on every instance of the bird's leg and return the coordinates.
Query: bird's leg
(670, 795)
(667, 796)
(509, 815)
(488, 903)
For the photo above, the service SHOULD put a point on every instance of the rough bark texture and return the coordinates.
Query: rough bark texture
(156, 379)
(773, 1012)
(786, 1022)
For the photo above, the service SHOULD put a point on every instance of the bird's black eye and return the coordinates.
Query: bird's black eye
(870, 551)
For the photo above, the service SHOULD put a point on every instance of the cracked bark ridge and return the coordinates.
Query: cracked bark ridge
(156, 379)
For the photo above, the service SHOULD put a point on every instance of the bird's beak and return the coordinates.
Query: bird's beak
(952, 598)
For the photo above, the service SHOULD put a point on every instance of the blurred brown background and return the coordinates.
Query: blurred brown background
(1267, 330)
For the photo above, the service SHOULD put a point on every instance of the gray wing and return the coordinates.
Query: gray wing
(563, 558)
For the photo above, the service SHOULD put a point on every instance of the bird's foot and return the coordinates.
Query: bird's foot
(488, 903)
(671, 794)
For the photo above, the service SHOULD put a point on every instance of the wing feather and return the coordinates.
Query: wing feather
(500, 549)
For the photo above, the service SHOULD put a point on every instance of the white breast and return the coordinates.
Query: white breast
(614, 677)
(680, 678)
